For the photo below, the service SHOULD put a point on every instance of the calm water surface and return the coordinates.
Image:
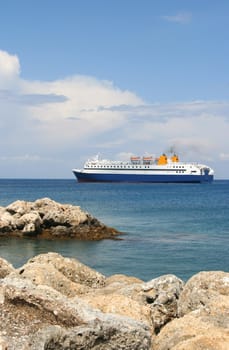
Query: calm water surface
(168, 228)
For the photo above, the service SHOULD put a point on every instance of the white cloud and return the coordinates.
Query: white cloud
(180, 17)
(9, 69)
(60, 123)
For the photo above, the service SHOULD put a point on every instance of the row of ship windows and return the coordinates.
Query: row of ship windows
(124, 167)
(115, 167)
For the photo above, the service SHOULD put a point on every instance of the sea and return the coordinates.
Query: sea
(178, 229)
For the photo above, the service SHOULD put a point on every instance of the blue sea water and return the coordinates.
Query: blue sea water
(168, 228)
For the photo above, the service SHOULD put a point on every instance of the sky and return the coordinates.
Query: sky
(112, 77)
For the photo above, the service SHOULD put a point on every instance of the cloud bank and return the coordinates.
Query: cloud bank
(47, 128)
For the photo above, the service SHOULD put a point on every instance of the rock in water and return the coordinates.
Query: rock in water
(46, 218)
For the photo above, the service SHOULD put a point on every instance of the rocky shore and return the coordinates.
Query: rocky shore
(46, 218)
(53, 302)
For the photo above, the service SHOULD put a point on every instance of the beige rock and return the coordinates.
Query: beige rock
(48, 275)
(19, 207)
(121, 305)
(29, 311)
(46, 218)
(3, 344)
(122, 279)
(60, 213)
(40, 308)
(161, 294)
(71, 268)
(202, 288)
(128, 286)
(5, 268)
(121, 295)
(100, 336)
(154, 302)
(192, 332)
(31, 223)
(204, 302)
(7, 222)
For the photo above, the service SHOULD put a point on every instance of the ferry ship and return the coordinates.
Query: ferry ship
(144, 169)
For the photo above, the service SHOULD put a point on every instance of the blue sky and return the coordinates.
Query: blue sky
(81, 77)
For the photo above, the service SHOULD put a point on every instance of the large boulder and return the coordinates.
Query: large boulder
(66, 275)
(201, 289)
(194, 331)
(153, 302)
(120, 295)
(121, 305)
(98, 336)
(48, 275)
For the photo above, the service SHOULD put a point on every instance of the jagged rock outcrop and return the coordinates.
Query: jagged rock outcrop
(46, 218)
(52, 302)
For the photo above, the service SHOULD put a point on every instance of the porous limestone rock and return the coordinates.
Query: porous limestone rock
(120, 295)
(203, 310)
(7, 222)
(154, 302)
(71, 268)
(162, 294)
(92, 337)
(3, 344)
(64, 214)
(29, 310)
(41, 274)
(58, 303)
(66, 275)
(195, 331)
(202, 288)
(128, 286)
(19, 208)
(46, 218)
(30, 223)
(5, 268)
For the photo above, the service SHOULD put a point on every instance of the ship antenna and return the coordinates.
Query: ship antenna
(97, 156)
